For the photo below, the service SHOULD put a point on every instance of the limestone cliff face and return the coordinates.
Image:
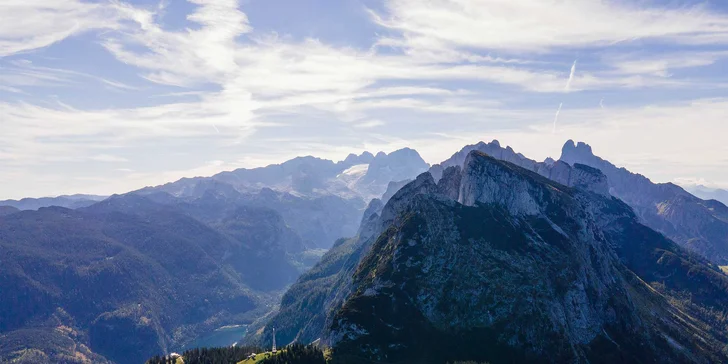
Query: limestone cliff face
(497, 184)
(667, 208)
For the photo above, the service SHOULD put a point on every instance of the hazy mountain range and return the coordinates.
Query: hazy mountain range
(149, 271)
(571, 259)
(708, 193)
(68, 201)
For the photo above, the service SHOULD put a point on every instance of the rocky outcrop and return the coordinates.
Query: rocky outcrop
(497, 184)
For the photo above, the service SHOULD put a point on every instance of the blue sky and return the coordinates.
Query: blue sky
(109, 96)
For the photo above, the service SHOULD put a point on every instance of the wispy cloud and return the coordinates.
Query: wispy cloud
(21, 73)
(536, 25)
(662, 64)
(26, 25)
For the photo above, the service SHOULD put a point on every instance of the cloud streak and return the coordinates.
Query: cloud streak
(556, 118)
(571, 77)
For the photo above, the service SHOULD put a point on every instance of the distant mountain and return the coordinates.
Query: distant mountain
(707, 193)
(494, 262)
(699, 225)
(361, 177)
(70, 201)
(318, 220)
(319, 199)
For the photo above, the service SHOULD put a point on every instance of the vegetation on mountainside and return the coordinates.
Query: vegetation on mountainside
(209, 355)
(292, 354)
(297, 354)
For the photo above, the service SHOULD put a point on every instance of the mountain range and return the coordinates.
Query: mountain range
(68, 201)
(490, 261)
(90, 279)
(383, 257)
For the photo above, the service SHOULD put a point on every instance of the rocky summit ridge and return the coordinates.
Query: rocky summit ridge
(699, 225)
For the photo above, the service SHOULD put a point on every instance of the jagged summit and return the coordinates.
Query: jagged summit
(571, 175)
(353, 159)
(578, 148)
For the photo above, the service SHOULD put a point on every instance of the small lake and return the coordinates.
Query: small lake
(222, 337)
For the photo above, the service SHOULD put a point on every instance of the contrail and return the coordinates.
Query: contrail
(214, 126)
(571, 76)
(556, 118)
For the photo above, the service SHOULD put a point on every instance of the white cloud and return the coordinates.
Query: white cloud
(660, 65)
(186, 57)
(26, 25)
(538, 25)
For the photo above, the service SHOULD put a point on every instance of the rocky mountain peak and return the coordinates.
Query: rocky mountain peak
(353, 159)
(402, 164)
(572, 150)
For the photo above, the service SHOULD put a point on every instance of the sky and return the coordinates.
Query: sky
(105, 97)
